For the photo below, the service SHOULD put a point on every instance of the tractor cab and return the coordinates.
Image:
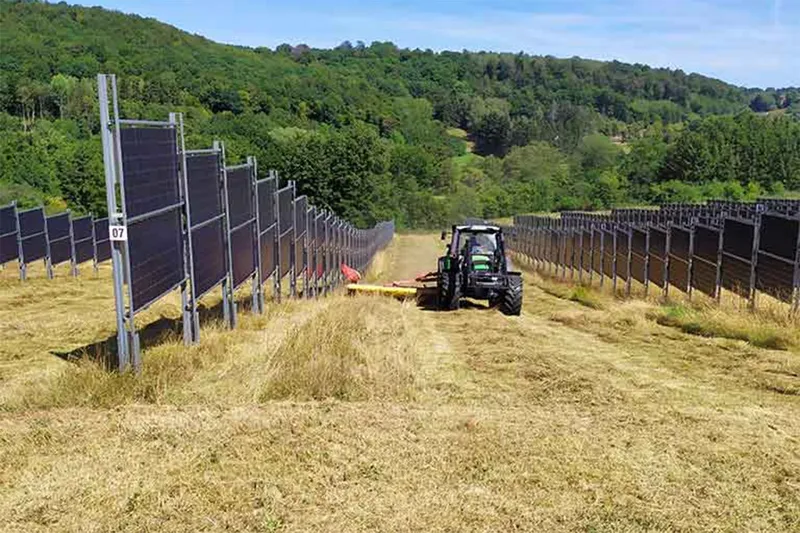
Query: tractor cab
(475, 266)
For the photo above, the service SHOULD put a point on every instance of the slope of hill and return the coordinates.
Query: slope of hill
(364, 128)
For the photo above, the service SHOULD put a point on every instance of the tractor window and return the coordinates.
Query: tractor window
(478, 243)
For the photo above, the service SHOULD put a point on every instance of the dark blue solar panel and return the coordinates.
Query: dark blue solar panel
(738, 238)
(84, 251)
(242, 248)
(266, 202)
(31, 222)
(103, 251)
(156, 256)
(60, 251)
(8, 220)
(103, 243)
(204, 187)
(240, 199)
(34, 248)
(58, 226)
(9, 248)
(150, 169)
(775, 277)
(267, 253)
(779, 236)
(208, 254)
(82, 228)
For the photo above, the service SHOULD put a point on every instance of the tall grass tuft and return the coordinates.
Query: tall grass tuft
(359, 348)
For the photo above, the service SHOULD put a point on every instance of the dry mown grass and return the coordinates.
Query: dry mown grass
(365, 414)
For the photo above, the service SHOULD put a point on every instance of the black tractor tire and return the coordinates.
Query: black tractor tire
(448, 291)
(511, 302)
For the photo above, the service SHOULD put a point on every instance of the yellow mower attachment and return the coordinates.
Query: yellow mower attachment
(396, 292)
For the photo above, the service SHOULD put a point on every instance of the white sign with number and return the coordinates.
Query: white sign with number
(118, 233)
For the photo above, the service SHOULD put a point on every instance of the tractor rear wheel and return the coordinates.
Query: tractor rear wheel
(449, 293)
(511, 302)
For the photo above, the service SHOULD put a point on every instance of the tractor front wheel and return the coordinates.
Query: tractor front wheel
(511, 301)
(449, 293)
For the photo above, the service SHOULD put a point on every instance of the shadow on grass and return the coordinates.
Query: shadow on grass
(105, 352)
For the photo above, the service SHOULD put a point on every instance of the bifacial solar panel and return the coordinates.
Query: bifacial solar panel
(287, 249)
(706, 243)
(58, 227)
(240, 197)
(9, 248)
(285, 199)
(587, 250)
(8, 220)
(150, 169)
(738, 238)
(609, 253)
(84, 251)
(31, 222)
(679, 274)
(597, 257)
(203, 177)
(60, 251)
(266, 202)
(656, 270)
(156, 257)
(208, 256)
(243, 248)
(775, 277)
(704, 276)
(103, 242)
(34, 248)
(82, 228)
(679, 243)
(736, 275)
(300, 215)
(639, 241)
(623, 266)
(778, 236)
(267, 244)
(658, 243)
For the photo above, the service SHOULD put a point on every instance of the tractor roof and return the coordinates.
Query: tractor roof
(484, 228)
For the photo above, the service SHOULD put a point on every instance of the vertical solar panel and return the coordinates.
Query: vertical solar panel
(777, 255)
(102, 242)
(150, 168)
(244, 260)
(32, 234)
(208, 256)
(266, 202)
(58, 233)
(156, 257)
(267, 246)
(84, 242)
(737, 248)
(203, 180)
(704, 264)
(240, 198)
(9, 248)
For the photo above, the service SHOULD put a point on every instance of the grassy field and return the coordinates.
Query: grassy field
(587, 413)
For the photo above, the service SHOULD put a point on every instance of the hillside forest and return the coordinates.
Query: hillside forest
(377, 132)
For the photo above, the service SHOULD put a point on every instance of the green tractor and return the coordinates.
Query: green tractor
(475, 266)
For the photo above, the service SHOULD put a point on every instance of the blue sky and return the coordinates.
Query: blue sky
(753, 43)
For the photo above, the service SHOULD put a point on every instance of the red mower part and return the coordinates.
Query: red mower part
(350, 274)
